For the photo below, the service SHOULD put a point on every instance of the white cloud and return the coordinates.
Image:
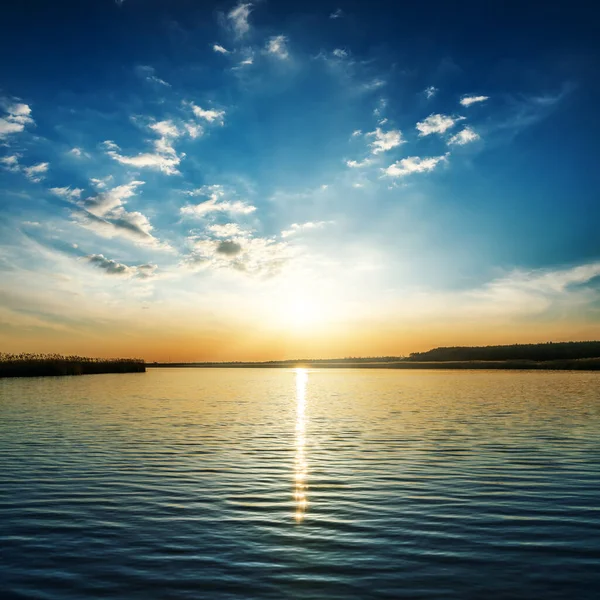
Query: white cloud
(209, 115)
(17, 116)
(165, 128)
(385, 140)
(238, 17)
(464, 137)
(227, 230)
(468, 100)
(164, 158)
(354, 164)
(436, 124)
(218, 48)
(36, 172)
(413, 164)
(430, 92)
(340, 53)
(148, 73)
(296, 228)
(165, 162)
(106, 215)
(112, 267)
(237, 207)
(356, 133)
(251, 255)
(11, 163)
(336, 14)
(78, 153)
(214, 204)
(247, 61)
(193, 129)
(277, 45)
(67, 192)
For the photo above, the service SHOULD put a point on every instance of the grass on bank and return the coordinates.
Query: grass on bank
(42, 365)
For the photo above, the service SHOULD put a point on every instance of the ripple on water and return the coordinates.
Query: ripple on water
(240, 483)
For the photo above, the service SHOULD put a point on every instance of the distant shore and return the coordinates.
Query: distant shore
(582, 364)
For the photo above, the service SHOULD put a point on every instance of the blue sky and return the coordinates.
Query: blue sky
(272, 179)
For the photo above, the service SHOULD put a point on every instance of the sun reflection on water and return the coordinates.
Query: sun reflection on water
(301, 466)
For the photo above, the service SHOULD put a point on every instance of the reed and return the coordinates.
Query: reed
(44, 365)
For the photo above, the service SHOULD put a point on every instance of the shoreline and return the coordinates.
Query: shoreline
(584, 364)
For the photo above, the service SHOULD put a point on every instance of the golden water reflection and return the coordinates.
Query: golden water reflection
(301, 466)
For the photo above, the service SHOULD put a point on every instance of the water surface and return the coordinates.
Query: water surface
(257, 483)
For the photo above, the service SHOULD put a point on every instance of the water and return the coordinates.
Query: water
(252, 483)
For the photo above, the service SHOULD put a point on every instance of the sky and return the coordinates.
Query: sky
(185, 180)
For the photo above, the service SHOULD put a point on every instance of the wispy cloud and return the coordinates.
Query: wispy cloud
(468, 100)
(209, 114)
(227, 230)
(36, 173)
(11, 163)
(413, 164)
(336, 14)
(67, 193)
(78, 153)
(355, 164)
(17, 116)
(220, 49)
(238, 17)
(215, 204)
(296, 228)
(463, 137)
(106, 214)
(430, 92)
(385, 140)
(112, 267)
(436, 124)
(149, 74)
(164, 158)
(340, 53)
(255, 256)
(277, 45)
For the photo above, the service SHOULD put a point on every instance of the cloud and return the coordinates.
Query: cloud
(238, 18)
(385, 141)
(214, 204)
(340, 53)
(277, 45)
(296, 228)
(356, 133)
(464, 137)
(227, 230)
(164, 158)
(218, 48)
(149, 74)
(430, 92)
(354, 164)
(209, 115)
(468, 100)
(338, 13)
(245, 62)
(436, 124)
(11, 163)
(78, 153)
(111, 267)
(67, 192)
(254, 256)
(37, 172)
(106, 215)
(413, 164)
(17, 116)
(236, 207)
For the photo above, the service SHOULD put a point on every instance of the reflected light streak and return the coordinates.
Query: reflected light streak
(301, 466)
